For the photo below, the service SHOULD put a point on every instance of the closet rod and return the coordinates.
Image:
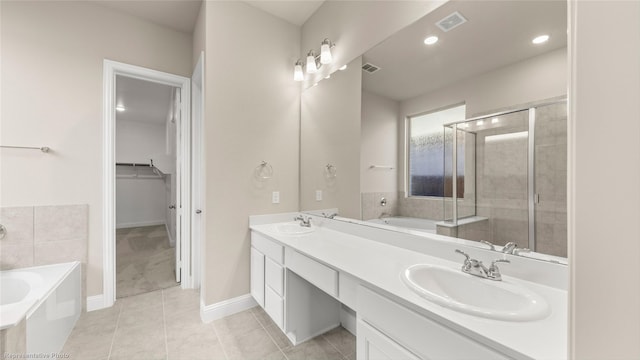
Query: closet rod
(133, 164)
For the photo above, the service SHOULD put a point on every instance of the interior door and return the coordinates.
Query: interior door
(178, 183)
(197, 171)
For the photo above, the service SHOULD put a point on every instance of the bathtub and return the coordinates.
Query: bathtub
(48, 297)
(423, 225)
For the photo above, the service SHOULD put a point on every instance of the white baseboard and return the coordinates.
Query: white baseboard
(95, 302)
(208, 313)
(140, 224)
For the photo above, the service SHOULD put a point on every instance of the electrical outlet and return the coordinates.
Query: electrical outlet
(275, 197)
(318, 195)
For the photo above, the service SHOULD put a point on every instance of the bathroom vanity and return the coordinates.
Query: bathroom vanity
(312, 279)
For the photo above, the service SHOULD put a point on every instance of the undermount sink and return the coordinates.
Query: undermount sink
(501, 300)
(293, 228)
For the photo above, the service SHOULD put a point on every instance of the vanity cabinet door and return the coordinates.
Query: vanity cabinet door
(373, 345)
(257, 276)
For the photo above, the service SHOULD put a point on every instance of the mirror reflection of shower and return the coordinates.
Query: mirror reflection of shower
(519, 188)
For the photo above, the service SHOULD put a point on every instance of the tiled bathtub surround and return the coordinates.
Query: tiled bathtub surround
(372, 207)
(43, 235)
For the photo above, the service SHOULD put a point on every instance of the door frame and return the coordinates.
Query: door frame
(198, 183)
(183, 207)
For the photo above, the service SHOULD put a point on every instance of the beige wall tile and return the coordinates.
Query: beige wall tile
(63, 222)
(53, 252)
(18, 222)
(16, 256)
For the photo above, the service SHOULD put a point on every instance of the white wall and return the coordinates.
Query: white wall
(330, 134)
(538, 78)
(138, 142)
(252, 114)
(379, 143)
(140, 202)
(52, 56)
(604, 180)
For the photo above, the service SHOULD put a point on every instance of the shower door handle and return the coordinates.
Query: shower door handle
(536, 198)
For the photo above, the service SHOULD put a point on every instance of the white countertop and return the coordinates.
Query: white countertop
(381, 265)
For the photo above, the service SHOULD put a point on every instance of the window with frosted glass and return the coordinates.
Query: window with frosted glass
(430, 153)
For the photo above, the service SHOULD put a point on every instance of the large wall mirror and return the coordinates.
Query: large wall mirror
(464, 137)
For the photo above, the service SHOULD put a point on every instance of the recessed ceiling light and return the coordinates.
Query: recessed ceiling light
(479, 122)
(120, 108)
(540, 39)
(431, 40)
(495, 120)
(328, 76)
(343, 67)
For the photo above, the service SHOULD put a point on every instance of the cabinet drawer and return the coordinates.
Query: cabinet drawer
(417, 333)
(274, 276)
(322, 276)
(274, 306)
(268, 247)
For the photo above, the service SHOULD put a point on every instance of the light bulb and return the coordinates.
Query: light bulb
(325, 52)
(311, 63)
(431, 40)
(540, 39)
(298, 75)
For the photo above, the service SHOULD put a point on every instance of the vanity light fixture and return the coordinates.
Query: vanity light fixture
(495, 120)
(540, 39)
(325, 52)
(298, 75)
(430, 40)
(312, 67)
(120, 108)
(479, 122)
(314, 62)
(343, 67)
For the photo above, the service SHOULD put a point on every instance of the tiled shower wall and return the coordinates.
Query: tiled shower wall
(43, 235)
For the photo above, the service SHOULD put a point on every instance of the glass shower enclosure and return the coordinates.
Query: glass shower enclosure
(513, 166)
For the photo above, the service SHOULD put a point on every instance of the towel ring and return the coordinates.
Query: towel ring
(263, 171)
(330, 171)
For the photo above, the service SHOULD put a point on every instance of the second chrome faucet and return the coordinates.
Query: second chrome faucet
(476, 267)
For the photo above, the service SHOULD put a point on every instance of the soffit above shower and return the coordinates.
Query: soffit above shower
(144, 101)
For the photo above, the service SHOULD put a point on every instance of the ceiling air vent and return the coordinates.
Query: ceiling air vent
(370, 68)
(451, 22)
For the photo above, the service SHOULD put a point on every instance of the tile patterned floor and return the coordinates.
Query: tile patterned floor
(165, 324)
(144, 260)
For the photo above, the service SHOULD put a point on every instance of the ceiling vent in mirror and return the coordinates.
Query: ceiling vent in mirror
(370, 68)
(451, 22)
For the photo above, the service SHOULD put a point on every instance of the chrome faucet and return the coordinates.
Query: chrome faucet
(476, 268)
(330, 216)
(513, 249)
(305, 221)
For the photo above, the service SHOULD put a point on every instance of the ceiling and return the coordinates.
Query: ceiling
(180, 15)
(144, 101)
(496, 34)
(295, 12)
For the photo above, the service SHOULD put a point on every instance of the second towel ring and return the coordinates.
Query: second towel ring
(330, 171)
(263, 171)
